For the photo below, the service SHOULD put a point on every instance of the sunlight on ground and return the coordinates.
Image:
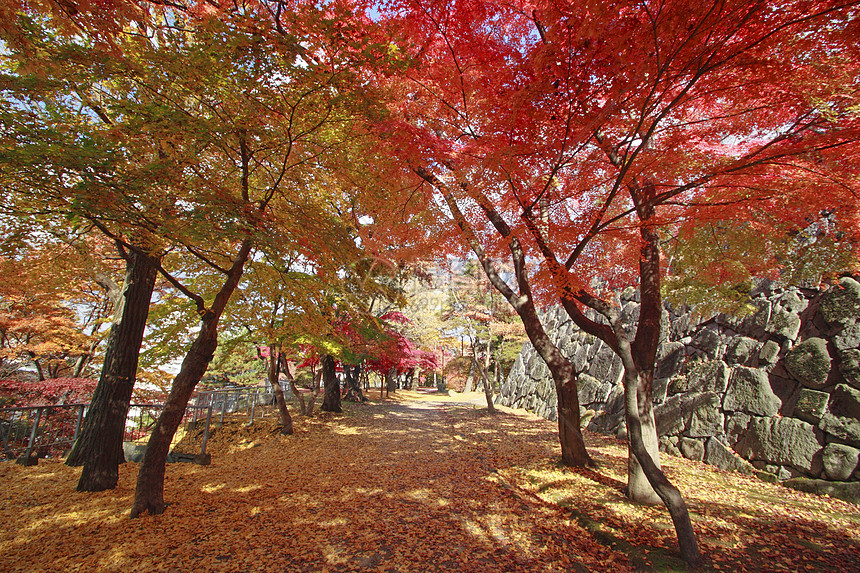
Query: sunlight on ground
(442, 487)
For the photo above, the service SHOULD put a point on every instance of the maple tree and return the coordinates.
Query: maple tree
(608, 123)
(52, 315)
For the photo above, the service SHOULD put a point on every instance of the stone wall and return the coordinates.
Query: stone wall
(779, 388)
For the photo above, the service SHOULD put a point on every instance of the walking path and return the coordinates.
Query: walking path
(417, 483)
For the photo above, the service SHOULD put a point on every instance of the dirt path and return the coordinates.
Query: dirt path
(418, 483)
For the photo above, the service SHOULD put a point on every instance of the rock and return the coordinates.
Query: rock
(784, 323)
(740, 350)
(811, 405)
(848, 338)
(841, 419)
(783, 441)
(792, 301)
(707, 419)
(849, 492)
(601, 364)
(757, 324)
(591, 390)
(749, 391)
(809, 362)
(670, 359)
(769, 353)
(841, 304)
(718, 455)
(133, 452)
(710, 376)
(840, 461)
(708, 341)
(673, 415)
(849, 366)
(692, 449)
(846, 430)
(736, 426)
(845, 401)
(660, 390)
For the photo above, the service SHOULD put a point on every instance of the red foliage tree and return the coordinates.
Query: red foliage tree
(577, 133)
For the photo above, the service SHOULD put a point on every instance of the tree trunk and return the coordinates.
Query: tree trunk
(149, 493)
(273, 370)
(331, 386)
(471, 377)
(488, 387)
(353, 383)
(638, 487)
(573, 452)
(668, 493)
(391, 381)
(99, 446)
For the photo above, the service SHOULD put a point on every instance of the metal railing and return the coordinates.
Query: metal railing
(46, 430)
(50, 431)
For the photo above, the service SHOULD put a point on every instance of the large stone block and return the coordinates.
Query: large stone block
(601, 364)
(740, 350)
(749, 391)
(784, 323)
(849, 366)
(673, 416)
(710, 376)
(849, 492)
(841, 304)
(841, 419)
(846, 430)
(718, 455)
(769, 353)
(809, 362)
(840, 461)
(692, 449)
(845, 401)
(792, 301)
(782, 441)
(736, 426)
(709, 342)
(848, 338)
(707, 418)
(670, 359)
(811, 405)
(592, 391)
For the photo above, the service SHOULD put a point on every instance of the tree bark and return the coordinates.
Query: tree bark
(353, 383)
(331, 386)
(665, 490)
(638, 486)
(99, 446)
(573, 452)
(272, 371)
(149, 492)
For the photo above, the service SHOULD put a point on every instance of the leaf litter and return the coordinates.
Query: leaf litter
(421, 482)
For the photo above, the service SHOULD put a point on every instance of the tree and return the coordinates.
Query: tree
(610, 123)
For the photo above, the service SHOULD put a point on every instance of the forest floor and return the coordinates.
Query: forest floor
(420, 482)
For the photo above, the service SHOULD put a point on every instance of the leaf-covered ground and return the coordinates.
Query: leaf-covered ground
(417, 483)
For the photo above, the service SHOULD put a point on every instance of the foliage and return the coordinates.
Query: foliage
(51, 392)
(53, 314)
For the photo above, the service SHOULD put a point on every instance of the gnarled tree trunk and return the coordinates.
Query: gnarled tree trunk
(353, 383)
(331, 386)
(273, 369)
(149, 492)
(99, 446)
